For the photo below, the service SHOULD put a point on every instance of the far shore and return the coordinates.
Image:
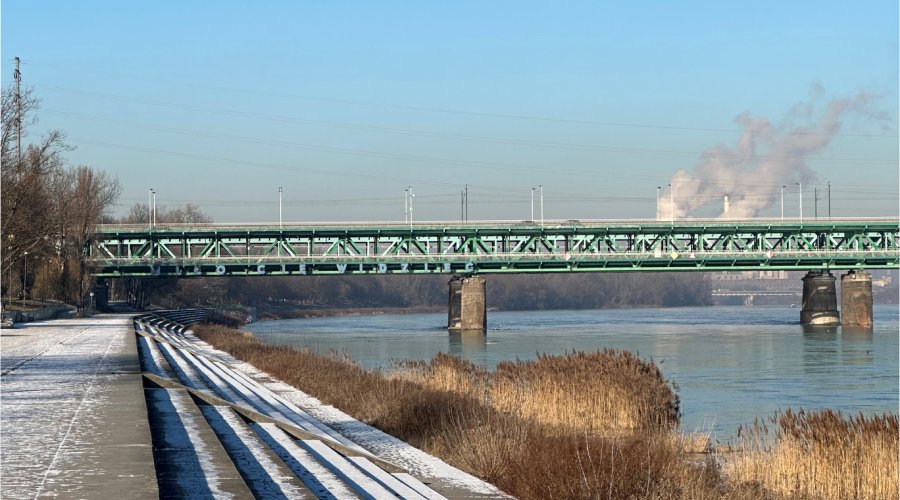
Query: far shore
(323, 312)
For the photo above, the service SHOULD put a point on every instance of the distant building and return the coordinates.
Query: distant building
(750, 275)
(883, 282)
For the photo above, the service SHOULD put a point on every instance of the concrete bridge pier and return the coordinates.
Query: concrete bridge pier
(466, 309)
(819, 300)
(856, 299)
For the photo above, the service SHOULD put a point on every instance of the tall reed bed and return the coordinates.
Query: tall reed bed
(820, 454)
(584, 425)
(495, 427)
(610, 393)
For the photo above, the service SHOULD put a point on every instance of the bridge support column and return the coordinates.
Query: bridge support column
(819, 300)
(856, 299)
(466, 309)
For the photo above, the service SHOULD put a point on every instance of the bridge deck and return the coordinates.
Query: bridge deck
(494, 247)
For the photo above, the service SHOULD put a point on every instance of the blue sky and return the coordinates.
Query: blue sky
(345, 104)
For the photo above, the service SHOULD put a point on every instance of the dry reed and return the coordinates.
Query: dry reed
(820, 454)
(583, 425)
(608, 392)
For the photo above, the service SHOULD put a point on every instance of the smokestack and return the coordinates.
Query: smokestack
(725, 206)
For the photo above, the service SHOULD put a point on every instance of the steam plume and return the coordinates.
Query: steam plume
(765, 157)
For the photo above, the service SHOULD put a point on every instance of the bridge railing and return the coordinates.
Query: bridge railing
(518, 256)
(449, 224)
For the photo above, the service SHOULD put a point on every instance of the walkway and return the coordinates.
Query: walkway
(72, 411)
(109, 408)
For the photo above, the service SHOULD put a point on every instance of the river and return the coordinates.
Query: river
(730, 364)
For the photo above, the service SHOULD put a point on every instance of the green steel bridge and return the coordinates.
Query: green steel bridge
(186, 250)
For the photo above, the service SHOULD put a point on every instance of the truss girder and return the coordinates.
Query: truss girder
(493, 249)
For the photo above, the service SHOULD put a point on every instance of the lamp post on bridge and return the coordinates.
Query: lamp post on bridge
(800, 189)
(409, 203)
(280, 224)
(532, 205)
(782, 201)
(671, 204)
(150, 196)
(541, 186)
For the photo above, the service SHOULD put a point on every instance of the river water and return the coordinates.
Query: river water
(730, 364)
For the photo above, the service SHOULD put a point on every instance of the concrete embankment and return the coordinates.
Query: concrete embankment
(46, 311)
(113, 407)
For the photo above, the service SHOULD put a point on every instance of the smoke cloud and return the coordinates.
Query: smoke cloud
(765, 157)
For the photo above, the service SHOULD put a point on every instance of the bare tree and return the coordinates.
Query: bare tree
(91, 194)
(47, 210)
(139, 291)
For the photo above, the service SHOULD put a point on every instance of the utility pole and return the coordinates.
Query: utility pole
(18, 77)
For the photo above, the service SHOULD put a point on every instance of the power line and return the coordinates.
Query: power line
(507, 116)
(532, 143)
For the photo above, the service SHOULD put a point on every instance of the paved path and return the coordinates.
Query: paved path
(79, 419)
(72, 411)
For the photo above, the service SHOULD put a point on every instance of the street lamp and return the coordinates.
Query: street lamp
(672, 204)
(800, 189)
(280, 225)
(407, 204)
(782, 201)
(411, 197)
(532, 205)
(92, 302)
(150, 208)
(541, 186)
(24, 278)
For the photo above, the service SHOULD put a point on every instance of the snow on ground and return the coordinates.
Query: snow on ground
(47, 390)
(385, 446)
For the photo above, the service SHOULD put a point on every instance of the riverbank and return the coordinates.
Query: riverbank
(439, 406)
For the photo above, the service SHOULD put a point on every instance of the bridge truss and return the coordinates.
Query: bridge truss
(493, 247)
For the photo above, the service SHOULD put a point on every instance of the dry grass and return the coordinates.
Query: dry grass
(820, 454)
(583, 425)
(608, 393)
